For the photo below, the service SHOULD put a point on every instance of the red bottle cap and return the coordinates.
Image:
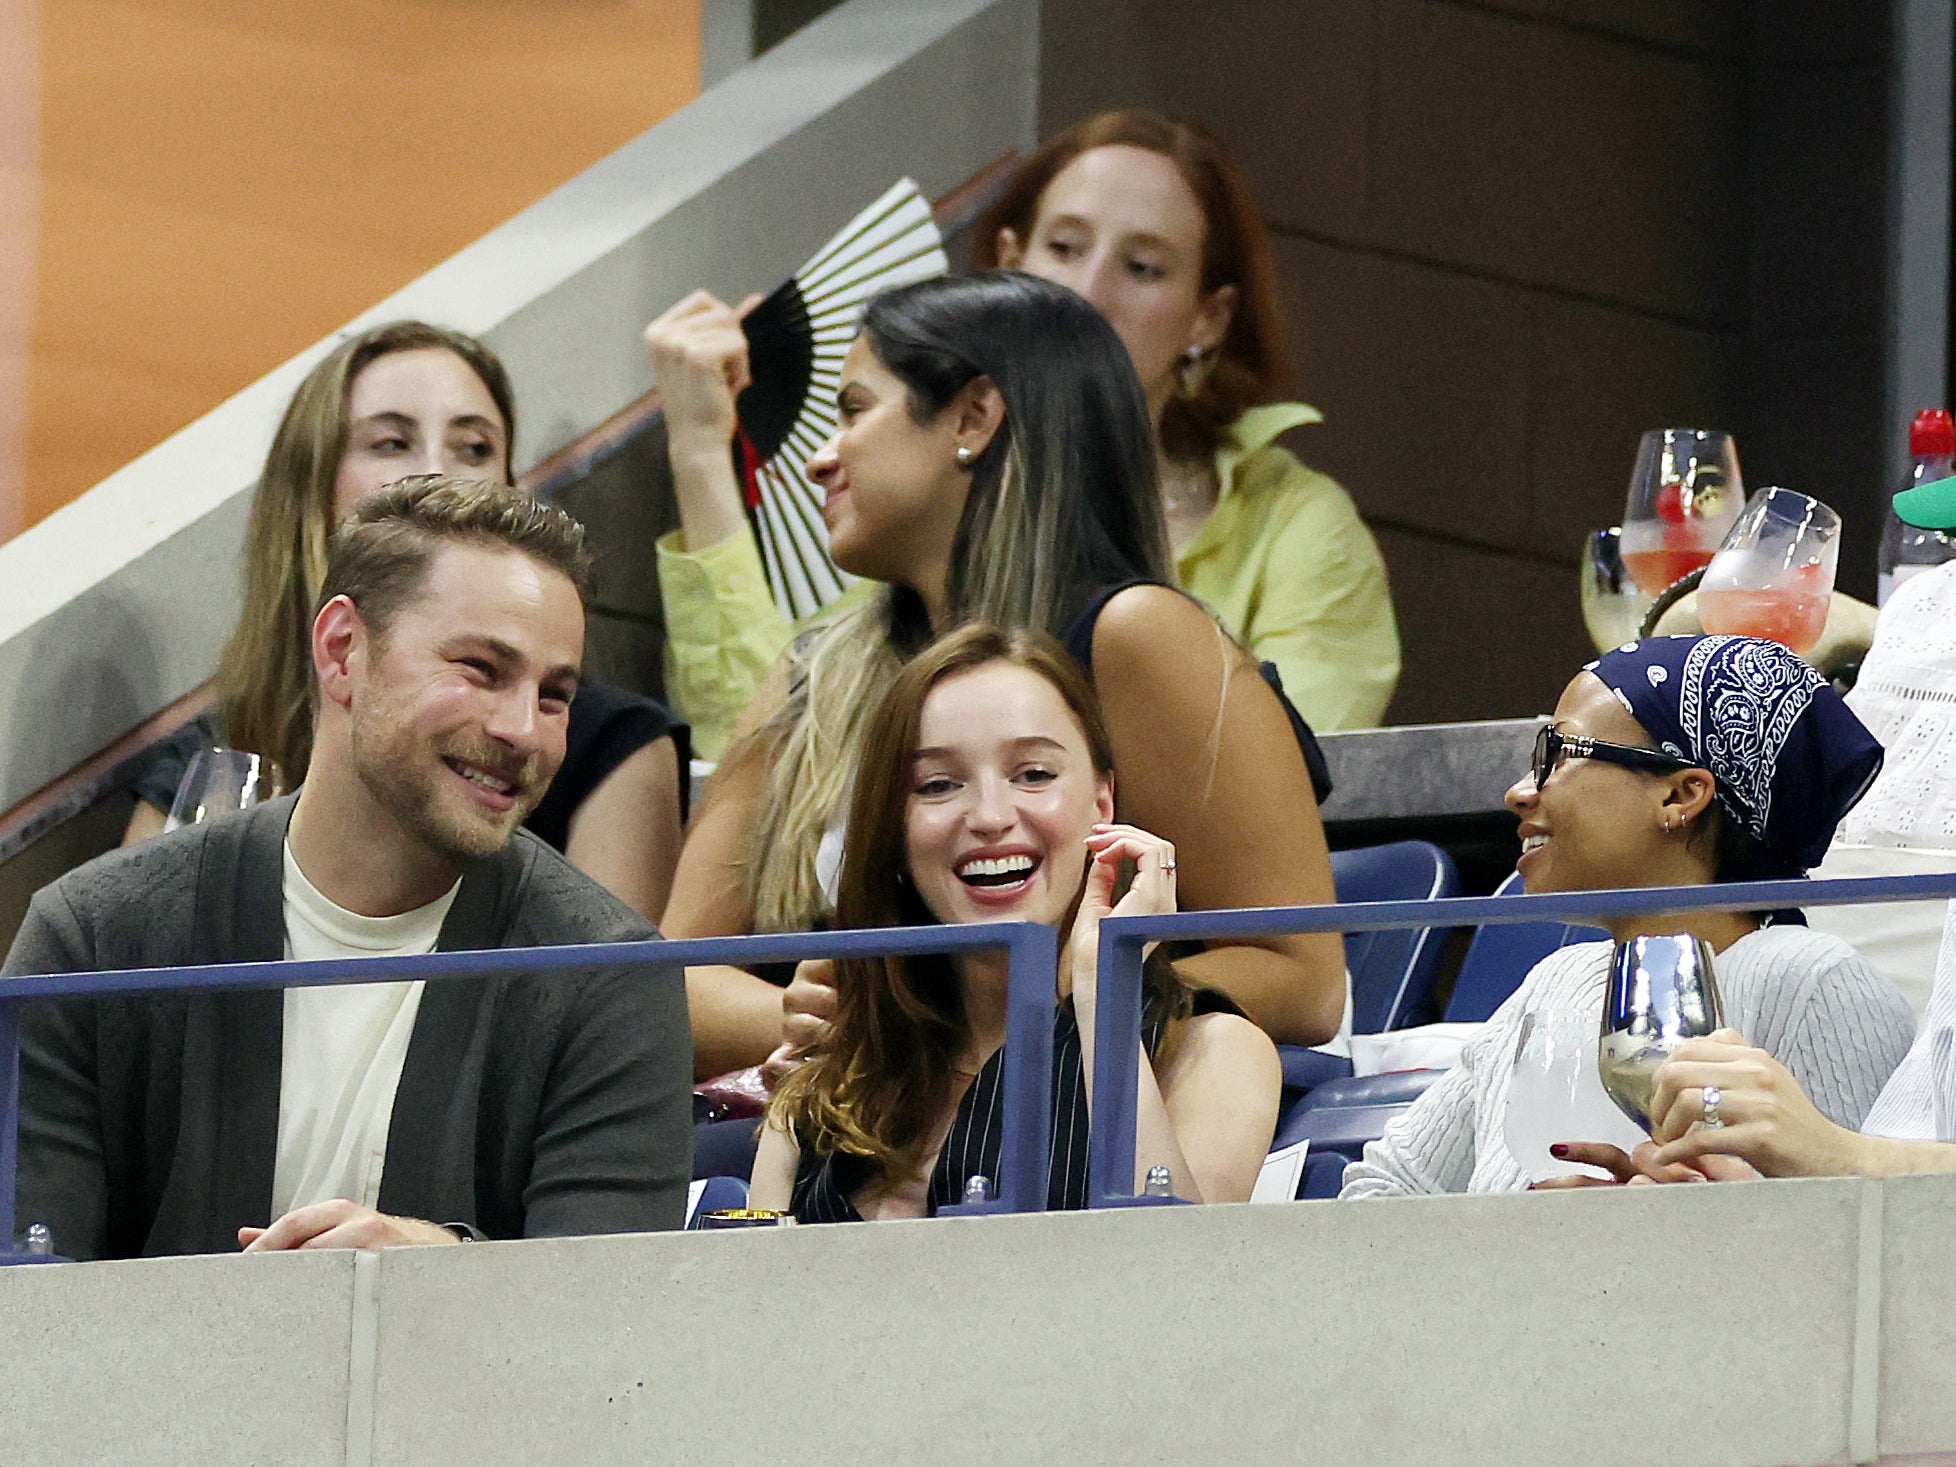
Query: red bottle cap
(1932, 432)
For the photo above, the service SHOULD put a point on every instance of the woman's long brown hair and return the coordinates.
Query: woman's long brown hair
(265, 677)
(1253, 363)
(884, 1074)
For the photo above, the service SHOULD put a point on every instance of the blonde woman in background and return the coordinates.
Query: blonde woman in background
(394, 400)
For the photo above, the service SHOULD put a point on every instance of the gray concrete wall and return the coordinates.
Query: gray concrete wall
(1513, 234)
(1772, 1325)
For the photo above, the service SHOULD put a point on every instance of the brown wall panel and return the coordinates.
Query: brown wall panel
(1508, 627)
(1559, 158)
(1514, 234)
(1423, 378)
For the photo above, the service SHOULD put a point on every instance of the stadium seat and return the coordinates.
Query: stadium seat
(1392, 972)
(717, 1194)
(1501, 955)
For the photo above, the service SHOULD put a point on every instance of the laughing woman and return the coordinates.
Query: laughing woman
(1675, 761)
(985, 795)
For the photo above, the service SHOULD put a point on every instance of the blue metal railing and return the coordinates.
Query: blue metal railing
(1110, 1159)
(1032, 956)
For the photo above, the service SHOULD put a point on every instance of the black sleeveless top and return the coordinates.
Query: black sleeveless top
(1079, 643)
(823, 1184)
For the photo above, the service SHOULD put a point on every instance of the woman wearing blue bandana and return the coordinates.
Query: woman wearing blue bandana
(1675, 761)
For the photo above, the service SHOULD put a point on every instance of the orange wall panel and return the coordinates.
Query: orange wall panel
(222, 182)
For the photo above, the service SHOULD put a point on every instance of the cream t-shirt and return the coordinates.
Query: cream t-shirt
(344, 1046)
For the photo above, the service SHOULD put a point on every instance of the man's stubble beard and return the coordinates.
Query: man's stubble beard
(389, 768)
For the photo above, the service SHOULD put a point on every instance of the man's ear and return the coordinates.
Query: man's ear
(1009, 250)
(976, 414)
(339, 649)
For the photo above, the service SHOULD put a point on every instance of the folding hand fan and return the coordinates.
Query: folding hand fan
(796, 340)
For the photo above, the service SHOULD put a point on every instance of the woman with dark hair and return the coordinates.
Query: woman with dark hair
(993, 465)
(393, 400)
(1675, 761)
(1150, 220)
(984, 794)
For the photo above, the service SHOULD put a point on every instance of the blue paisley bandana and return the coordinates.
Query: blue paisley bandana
(1789, 756)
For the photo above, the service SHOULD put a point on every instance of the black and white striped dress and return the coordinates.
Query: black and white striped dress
(824, 1184)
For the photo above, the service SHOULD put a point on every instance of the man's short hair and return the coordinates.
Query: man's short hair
(379, 557)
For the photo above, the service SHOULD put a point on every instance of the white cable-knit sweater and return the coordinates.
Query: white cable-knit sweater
(1806, 998)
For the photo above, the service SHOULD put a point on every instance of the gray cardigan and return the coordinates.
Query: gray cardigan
(529, 1104)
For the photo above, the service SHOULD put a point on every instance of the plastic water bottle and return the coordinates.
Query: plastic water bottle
(40, 1242)
(977, 1188)
(1905, 550)
(1160, 1182)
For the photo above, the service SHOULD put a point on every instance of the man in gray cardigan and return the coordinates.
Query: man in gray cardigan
(446, 646)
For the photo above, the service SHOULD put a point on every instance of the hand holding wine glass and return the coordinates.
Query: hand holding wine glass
(1661, 992)
(1774, 575)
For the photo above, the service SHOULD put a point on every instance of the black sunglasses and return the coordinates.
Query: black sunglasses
(1552, 747)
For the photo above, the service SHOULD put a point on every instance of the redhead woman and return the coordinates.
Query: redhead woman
(394, 400)
(994, 464)
(985, 794)
(1149, 219)
(1675, 761)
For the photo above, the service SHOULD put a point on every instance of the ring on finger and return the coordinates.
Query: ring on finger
(1714, 1099)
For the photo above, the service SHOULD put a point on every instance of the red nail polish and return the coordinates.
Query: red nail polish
(1559, 1151)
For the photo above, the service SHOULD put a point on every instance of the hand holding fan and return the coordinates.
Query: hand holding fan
(796, 340)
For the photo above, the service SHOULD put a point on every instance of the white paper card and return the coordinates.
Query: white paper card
(1282, 1170)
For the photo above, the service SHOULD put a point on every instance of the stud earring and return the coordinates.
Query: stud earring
(1192, 370)
(964, 457)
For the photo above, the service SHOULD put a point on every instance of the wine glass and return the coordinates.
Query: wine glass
(217, 782)
(1613, 604)
(1662, 991)
(1684, 495)
(1774, 575)
(1555, 1094)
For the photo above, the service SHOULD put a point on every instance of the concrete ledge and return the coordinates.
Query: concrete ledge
(1740, 1326)
(178, 1360)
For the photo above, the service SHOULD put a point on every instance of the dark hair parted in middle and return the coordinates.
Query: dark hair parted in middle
(1063, 500)
(880, 1079)
(379, 557)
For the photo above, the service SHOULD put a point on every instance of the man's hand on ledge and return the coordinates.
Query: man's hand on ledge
(341, 1224)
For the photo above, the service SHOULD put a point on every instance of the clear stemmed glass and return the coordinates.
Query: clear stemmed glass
(1613, 604)
(1684, 495)
(1774, 575)
(1662, 991)
(1555, 1094)
(218, 782)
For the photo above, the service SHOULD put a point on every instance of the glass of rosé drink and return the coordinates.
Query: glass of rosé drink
(1685, 494)
(1774, 575)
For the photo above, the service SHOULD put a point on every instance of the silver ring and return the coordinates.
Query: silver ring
(1714, 1098)
(1168, 864)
